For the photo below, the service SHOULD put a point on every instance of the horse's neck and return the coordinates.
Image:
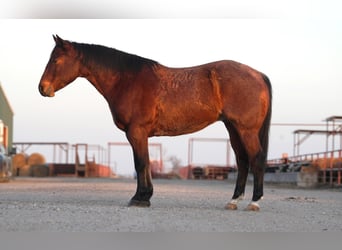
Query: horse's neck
(102, 80)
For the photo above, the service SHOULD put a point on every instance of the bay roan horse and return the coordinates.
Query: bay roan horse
(148, 99)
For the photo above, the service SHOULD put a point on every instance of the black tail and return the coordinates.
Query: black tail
(264, 131)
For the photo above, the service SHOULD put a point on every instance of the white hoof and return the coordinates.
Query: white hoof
(232, 205)
(253, 206)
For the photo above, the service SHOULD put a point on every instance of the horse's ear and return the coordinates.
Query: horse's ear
(60, 42)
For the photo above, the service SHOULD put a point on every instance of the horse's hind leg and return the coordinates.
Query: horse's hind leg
(243, 166)
(257, 167)
(257, 160)
(249, 154)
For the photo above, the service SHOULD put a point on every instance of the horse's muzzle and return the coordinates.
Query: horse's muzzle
(46, 90)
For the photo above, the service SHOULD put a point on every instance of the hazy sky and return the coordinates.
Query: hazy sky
(302, 56)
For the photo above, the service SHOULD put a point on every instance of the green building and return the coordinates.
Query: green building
(6, 122)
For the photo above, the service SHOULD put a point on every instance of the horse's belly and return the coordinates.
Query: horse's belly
(183, 124)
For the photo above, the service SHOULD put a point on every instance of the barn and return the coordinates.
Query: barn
(6, 122)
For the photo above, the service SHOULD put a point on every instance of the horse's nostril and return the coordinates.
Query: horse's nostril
(41, 89)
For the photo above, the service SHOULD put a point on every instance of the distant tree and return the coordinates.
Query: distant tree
(175, 162)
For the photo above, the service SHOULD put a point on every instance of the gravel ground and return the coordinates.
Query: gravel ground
(88, 205)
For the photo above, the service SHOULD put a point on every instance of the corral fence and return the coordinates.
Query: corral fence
(326, 167)
(59, 159)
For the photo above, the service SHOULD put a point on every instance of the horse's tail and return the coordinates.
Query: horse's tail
(264, 131)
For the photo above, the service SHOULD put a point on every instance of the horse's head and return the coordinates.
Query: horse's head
(62, 68)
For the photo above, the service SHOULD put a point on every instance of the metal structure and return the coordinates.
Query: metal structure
(208, 171)
(91, 151)
(59, 149)
(328, 164)
(86, 160)
(333, 128)
(330, 161)
(191, 148)
(125, 144)
(81, 169)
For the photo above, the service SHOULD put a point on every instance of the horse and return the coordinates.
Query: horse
(149, 99)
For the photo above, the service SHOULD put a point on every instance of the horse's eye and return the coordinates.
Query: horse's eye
(54, 60)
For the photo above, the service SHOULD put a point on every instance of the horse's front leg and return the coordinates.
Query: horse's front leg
(139, 143)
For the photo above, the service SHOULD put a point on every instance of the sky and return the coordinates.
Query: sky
(300, 51)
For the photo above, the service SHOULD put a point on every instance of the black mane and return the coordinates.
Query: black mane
(109, 58)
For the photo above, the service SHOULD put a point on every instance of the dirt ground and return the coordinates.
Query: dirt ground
(88, 205)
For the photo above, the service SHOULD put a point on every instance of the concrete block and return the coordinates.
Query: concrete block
(307, 180)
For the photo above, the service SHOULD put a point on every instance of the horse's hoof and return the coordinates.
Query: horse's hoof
(253, 207)
(231, 206)
(137, 203)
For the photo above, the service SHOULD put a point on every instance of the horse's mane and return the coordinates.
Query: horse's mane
(109, 58)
